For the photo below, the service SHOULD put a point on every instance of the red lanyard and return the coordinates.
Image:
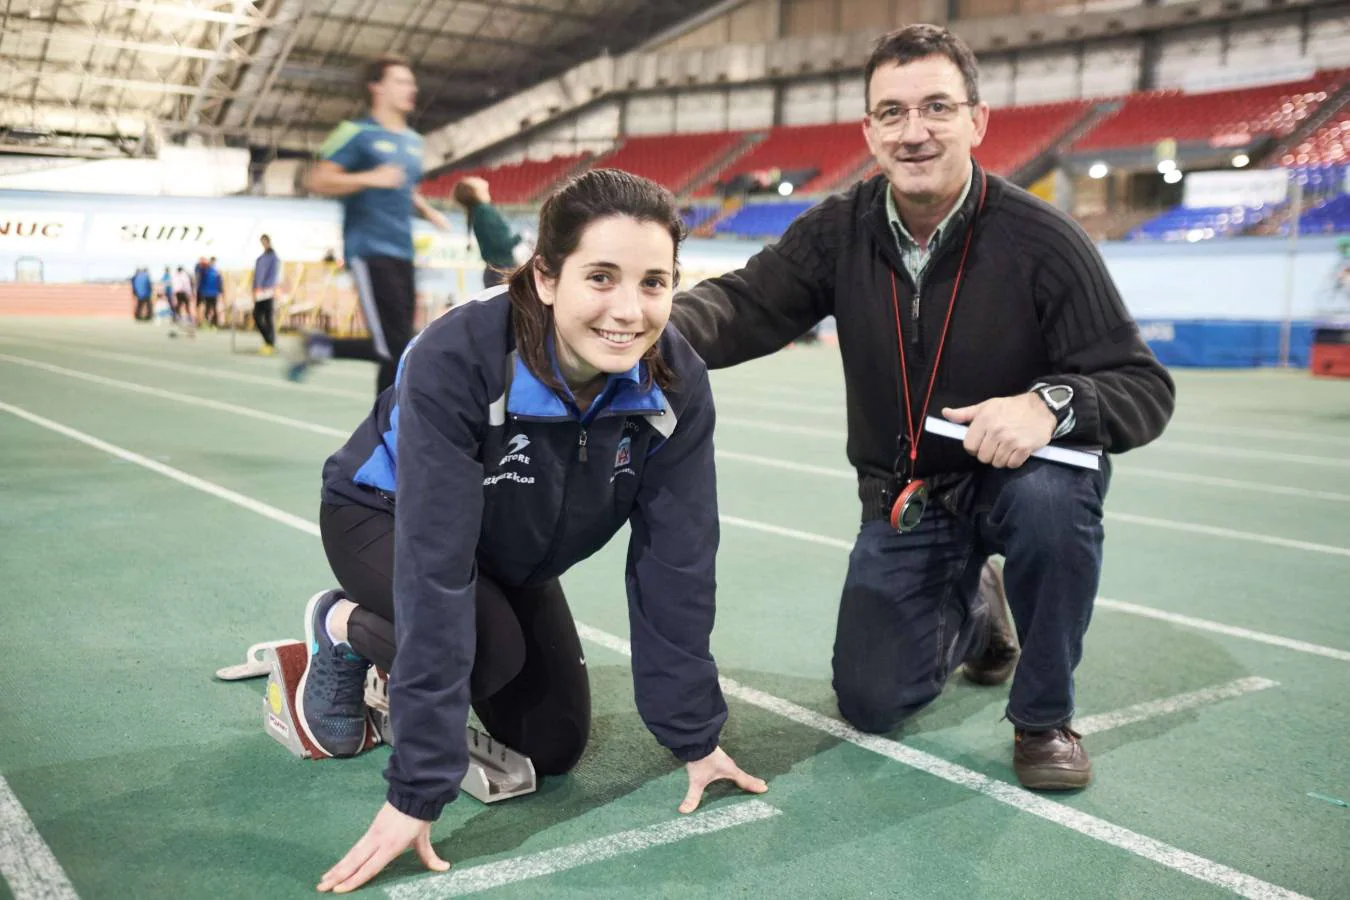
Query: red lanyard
(911, 431)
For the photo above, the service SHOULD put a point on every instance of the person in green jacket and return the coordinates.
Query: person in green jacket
(496, 240)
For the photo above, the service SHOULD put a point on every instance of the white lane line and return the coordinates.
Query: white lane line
(1236, 484)
(26, 862)
(178, 475)
(1197, 867)
(833, 433)
(1273, 456)
(538, 865)
(1260, 432)
(1126, 469)
(277, 381)
(1130, 518)
(1260, 637)
(1227, 533)
(728, 398)
(1171, 857)
(1217, 627)
(1165, 444)
(788, 465)
(180, 398)
(824, 471)
(1152, 709)
(1135, 609)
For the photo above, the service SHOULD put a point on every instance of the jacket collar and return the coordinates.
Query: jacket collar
(954, 230)
(623, 393)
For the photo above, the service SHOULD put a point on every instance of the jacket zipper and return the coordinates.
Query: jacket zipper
(562, 508)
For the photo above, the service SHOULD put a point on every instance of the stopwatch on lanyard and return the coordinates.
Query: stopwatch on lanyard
(912, 500)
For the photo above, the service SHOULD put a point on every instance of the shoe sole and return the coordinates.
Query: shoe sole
(310, 640)
(992, 678)
(1053, 778)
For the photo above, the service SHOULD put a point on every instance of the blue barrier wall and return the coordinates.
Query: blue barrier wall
(1225, 344)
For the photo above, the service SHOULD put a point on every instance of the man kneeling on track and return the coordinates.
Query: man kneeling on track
(520, 434)
(958, 294)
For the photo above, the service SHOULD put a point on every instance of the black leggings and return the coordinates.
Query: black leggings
(528, 686)
(262, 317)
(387, 292)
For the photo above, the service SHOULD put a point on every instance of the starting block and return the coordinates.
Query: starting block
(286, 663)
(495, 773)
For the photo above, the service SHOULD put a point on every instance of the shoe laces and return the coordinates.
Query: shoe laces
(349, 681)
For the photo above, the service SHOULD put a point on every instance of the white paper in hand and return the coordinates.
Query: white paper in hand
(1083, 459)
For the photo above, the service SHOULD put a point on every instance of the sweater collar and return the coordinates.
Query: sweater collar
(954, 228)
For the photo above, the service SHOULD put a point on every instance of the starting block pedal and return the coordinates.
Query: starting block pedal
(255, 663)
(495, 773)
(286, 662)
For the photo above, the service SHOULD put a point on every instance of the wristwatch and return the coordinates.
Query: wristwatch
(1058, 397)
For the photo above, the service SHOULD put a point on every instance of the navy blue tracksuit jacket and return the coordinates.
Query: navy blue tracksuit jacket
(512, 481)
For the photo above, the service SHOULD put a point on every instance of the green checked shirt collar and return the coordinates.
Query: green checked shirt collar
(915, 257)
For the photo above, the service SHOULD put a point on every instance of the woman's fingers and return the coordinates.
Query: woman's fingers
(694, 795)
(373, 865)
(747, 782)
(427, 853)
(348, 864)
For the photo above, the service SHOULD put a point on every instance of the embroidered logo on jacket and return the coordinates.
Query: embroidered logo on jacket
(513, 455)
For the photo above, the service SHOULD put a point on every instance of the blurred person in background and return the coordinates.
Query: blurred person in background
(266, 276)
(372, 165)
(496, 240)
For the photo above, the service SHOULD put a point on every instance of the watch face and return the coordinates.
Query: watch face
(1057, 395)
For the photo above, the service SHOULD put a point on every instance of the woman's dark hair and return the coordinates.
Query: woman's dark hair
(597, 194)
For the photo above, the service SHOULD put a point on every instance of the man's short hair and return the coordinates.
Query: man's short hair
(373, 71)
(905, 45)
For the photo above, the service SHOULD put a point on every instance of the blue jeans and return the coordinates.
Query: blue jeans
(911, 612)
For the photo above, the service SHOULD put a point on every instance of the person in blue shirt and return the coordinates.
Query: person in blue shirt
(373, 165)
(266, 276)
(521, 434)
(141, 289)
(211, 287)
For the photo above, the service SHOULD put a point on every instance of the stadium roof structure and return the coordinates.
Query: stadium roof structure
(119, 77)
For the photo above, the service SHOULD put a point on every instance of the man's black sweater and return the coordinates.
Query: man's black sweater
(1036, 304)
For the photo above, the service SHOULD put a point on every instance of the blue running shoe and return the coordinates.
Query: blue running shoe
(307, 351)
(330, 699)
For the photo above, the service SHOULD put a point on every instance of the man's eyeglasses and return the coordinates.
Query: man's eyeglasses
(894, 115)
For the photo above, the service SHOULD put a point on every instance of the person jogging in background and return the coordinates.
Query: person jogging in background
(496, 241)
(373, 165)
(266, 275)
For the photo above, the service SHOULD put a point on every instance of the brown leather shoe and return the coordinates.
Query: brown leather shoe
(996, 664)
(1051, 760)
